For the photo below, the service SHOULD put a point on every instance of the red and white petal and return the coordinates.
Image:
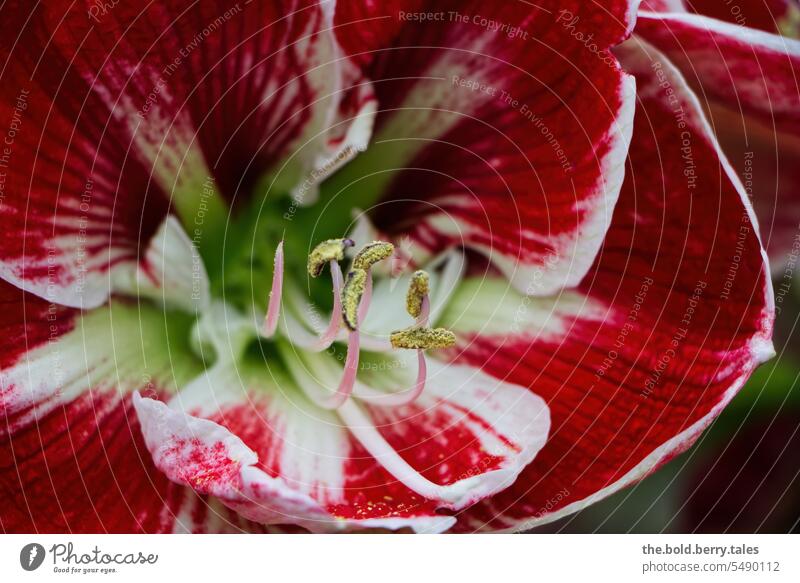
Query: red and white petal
(210, 459)
(749, 71)
(54, 355)
(74, 205)
(83, 468)
(768, 163)
(749, 79)
(72, 457)
(775, 16)
(366, 28)
(116, 117)
(468, 431)
(301, 450)
(171, 271)
(266, 451)
(243, 86)
(348, 134)
(663, 5)
(481, 141)
(674, 316)
(28, 327)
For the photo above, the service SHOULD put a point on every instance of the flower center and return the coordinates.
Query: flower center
(351, 303)
(357, 355)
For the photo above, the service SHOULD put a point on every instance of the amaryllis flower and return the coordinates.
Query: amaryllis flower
(743, 59)
(352, 265)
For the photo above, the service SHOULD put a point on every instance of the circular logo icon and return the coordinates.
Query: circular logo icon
(31, 556)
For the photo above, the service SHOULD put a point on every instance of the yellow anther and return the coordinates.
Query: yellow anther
(325, 252)
(422, 338)
(418, 288)
(354, 286)
(371, 253)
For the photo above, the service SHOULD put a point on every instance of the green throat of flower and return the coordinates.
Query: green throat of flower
(262, 311)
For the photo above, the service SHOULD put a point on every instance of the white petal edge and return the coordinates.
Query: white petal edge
(161, 425)
(761, 347)
(172, 271)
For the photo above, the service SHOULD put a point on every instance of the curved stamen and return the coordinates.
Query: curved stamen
(297, 333)
(364, 430)
(351, 304)
(357, 293)
(329, 335)
(419, 336)
(327, 252)
(368, 256)
(311, 386)
(418, 289)
(274, 308)
(348, 380)
(331, 252)
(372, 253)
(370, 395)
(354, 295)
(418, 305)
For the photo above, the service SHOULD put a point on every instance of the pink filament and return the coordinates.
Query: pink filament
(406, 397)
(335, 323)
(425, 312)
(369, 341)
(274, 308)
(363, 307)
(348, 380)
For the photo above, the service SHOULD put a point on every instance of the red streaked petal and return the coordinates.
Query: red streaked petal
(749, 80)
(210, 459)
(290, 460)
(171, 272)
(245, 86)
(271, 455)
(348, 135)
(71, 455)
(466, 431)
(74, 205)
(118, 116)
(83, 468)
(55, 355)
(751, 72)
(776, 16)
(481, 141)
(365, 28)
(676, 313)
(768, 162)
